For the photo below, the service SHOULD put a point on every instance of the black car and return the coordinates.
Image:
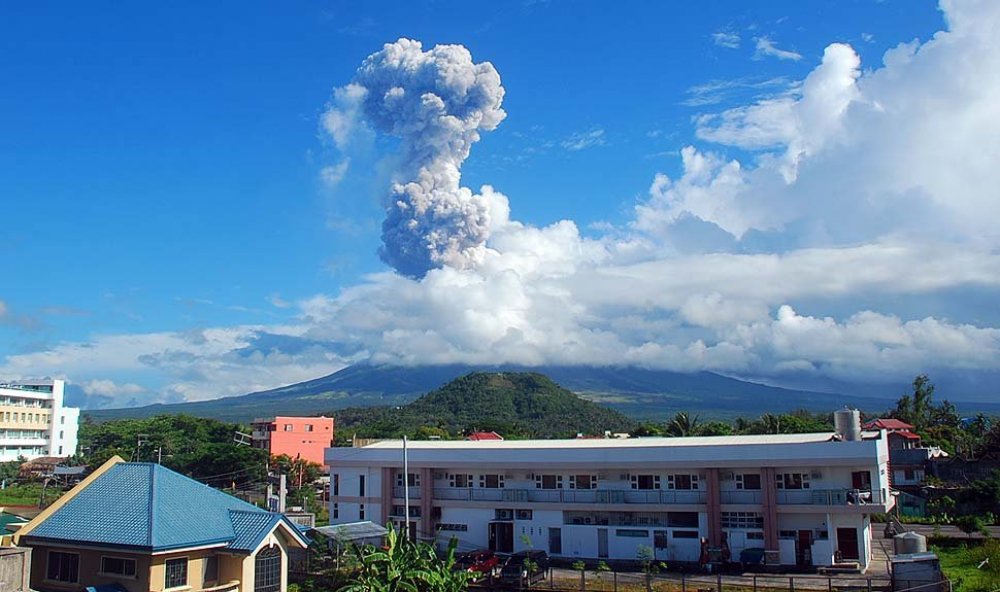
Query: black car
(525, 567)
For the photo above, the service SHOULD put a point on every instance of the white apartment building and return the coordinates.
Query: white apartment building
(34, 422)
(805, 498)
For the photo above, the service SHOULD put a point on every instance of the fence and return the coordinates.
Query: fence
(564, 580)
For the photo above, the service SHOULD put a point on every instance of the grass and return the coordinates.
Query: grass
(960, 560)
(27, 495)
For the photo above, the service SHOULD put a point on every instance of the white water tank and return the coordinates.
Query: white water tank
(909, 542)
(847, 423)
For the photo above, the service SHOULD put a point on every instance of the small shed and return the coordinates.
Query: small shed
(918, 570)
(357, 533)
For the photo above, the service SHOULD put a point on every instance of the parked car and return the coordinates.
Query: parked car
(524, 567)
(483, 562)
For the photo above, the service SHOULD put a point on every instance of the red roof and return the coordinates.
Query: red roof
(887, 424)
(906, 435)
(477, 436)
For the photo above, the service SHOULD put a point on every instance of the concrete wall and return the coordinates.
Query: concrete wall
(15, 569)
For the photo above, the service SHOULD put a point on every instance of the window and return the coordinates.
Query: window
(755, 535)
(583, 481)
(118, 566)
(412, 479)
(491, 481)
(682, 482)
(211, 569)
(749, 481)
(460, 480)
(176, 574)
(742, 520)
(335, 484)
(792, 480)
(645, 481)
(361, 485)
(309, 427)
(909, 474)
(684, 519)
(288, 427)
(631, 532)
(548, 481)
(335, 512)
(361, 512)
(63, 567)
(453, 527)
(267, 570)
(685, 534)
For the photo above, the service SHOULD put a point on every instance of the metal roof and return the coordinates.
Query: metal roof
(146, 506)
(352, 532)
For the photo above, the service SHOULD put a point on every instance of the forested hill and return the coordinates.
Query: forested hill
(525, 404)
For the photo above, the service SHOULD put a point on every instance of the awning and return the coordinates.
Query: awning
(353, 532)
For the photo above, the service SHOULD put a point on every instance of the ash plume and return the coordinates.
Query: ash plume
(436, 102)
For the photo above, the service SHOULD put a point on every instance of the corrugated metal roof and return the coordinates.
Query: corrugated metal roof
(353, 531)
(250, 528)
(147, 506)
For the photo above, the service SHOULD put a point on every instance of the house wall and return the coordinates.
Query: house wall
(90, 565)
(291, 436)
(196, 569)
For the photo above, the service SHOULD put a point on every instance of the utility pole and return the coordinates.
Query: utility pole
(406, 489)
(282, 490)
(159, 454)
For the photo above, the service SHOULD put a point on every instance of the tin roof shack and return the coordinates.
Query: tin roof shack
(914, 570)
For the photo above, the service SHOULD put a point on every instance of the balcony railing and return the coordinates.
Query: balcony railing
(400, 492)
(233, 586)
(741, 497)
(572, 496)
(828, 497)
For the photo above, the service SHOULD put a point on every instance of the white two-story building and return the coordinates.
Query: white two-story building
(805, 498)
(34, 422)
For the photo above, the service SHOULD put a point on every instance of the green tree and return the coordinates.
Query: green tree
(682, 425)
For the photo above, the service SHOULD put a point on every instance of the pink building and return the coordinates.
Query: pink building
(297, 437)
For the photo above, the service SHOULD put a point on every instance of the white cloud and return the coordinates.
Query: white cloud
(332, 175)
(727, 39)
(584, 140)
(767, 48)
(109, 388)
(859, 190)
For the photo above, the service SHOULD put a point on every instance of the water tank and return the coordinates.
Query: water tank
(847, 423)
(909, 542)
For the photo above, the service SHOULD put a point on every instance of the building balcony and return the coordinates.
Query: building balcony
(828, 497)
(744, 496)
(572, 496)
(233, 586)
(399, 492)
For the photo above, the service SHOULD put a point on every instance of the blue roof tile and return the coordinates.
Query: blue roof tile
(147, 506)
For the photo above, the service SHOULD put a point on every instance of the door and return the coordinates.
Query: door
(803, 548)
(847, 543)
(502, 537)
(555, 541)
(861, 480)
(602, 542)
(661, 545)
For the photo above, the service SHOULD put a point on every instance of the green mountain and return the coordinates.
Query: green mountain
(525, 404)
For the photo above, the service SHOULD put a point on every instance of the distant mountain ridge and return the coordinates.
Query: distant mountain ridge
(639, 393)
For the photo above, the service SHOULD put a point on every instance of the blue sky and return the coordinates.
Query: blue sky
(161, 176)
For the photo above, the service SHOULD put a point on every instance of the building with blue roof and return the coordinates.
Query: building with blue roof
(149, 529)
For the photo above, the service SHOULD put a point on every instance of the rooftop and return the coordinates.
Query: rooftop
(887, 423)
(608, 442)
(148, 507)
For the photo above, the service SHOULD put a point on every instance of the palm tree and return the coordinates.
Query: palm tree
(682, 425)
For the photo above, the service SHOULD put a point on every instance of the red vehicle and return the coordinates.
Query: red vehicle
(482, 562)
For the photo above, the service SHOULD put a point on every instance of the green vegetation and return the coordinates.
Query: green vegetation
(684, 424)
(518, 404)
(406, 566)
(200, 448)
(28, 494)
(972, 566)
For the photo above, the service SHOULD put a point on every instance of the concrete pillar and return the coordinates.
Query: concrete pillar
(426, 502)
(386, 494)
(769, 496)
(714, 503)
